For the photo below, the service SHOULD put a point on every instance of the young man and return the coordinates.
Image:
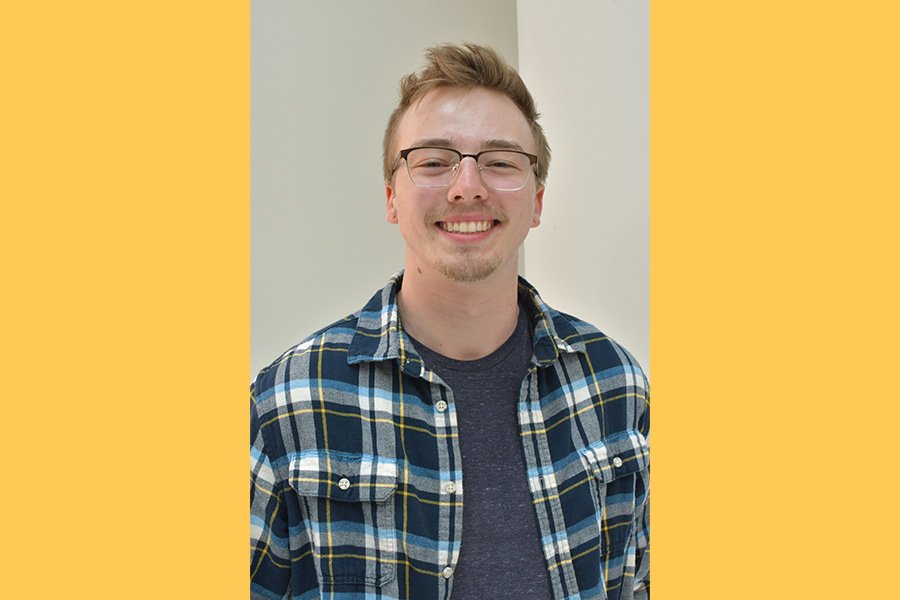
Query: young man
(456, 437)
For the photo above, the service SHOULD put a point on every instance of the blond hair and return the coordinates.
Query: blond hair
(466, 66)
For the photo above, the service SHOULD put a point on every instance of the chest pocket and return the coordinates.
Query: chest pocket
(348, 506)
(619, 466)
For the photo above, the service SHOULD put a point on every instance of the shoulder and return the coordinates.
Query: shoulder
(332, 353)
(599, 347)
(602, 371)
(561, 336)
(327, 346)
(617, 380)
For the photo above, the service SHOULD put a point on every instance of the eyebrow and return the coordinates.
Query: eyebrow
(502, 145)
(487, 144)
(442, 142)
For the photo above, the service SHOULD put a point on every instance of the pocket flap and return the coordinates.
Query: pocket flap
(343, 477)
(620, 454)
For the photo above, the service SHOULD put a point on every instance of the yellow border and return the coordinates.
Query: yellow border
(774, 307)
(125, 187)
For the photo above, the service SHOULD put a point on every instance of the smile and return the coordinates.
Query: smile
(466, 226)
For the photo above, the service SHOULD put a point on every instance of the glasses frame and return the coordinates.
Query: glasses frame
(405, 152)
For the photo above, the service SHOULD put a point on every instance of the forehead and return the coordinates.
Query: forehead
(467, 118)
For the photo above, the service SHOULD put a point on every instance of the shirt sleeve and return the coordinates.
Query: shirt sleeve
(270, 572)
(642, 523)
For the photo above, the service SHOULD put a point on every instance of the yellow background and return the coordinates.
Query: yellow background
(125, 196)
(774, 170)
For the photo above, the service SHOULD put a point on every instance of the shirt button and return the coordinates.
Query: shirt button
(447, 572)
(344, 483)
(450, 488)
(617, 461)
(441, 406)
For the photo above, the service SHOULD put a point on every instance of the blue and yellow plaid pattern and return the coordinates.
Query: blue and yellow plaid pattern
(350, 461)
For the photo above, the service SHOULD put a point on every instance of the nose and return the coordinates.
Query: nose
(467, 183)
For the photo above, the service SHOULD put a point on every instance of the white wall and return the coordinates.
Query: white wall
(324, 80)
(586, 63)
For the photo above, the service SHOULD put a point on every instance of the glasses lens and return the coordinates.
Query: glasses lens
(431, 167)
(436, 167)
(503, 169)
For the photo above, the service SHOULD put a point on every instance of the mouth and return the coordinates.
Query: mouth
(466, 226)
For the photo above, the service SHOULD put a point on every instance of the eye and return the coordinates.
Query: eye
(433, 163)
(431, 159)
(501, 164)
(503, 161)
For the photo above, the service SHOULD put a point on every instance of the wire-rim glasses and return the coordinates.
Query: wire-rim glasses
(436, 167)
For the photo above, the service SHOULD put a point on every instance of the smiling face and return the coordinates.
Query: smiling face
(464, 231)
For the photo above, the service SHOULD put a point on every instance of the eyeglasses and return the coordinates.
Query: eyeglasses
(502, 170)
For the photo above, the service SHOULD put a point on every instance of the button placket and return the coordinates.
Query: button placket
(445, 424)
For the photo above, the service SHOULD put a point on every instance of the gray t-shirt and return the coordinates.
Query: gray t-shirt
(501, 554)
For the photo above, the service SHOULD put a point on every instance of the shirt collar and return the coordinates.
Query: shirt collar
(379, 333)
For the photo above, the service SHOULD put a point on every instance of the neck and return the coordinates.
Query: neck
(460, 320)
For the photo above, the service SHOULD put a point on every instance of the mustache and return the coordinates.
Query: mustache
(443, 214)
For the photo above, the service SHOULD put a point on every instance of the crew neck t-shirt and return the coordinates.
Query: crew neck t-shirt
(501, 552)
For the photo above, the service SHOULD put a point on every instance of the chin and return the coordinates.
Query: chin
(469, 272)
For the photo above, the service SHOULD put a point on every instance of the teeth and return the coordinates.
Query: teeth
(467, 227)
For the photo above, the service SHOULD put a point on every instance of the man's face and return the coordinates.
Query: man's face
(469, 120)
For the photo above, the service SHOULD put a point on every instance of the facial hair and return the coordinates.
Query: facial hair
(466, 269)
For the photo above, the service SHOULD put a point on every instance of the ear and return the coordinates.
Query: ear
(538, 206)
(391, 206)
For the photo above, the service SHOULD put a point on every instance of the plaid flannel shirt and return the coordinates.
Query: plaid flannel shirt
(354, 443)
